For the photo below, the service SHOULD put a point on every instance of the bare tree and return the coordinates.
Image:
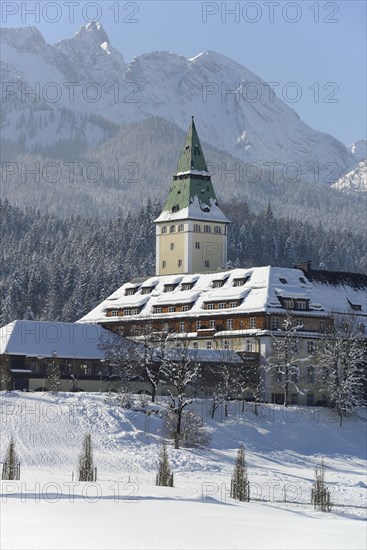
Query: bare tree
(87, 470)
(181, 371)
(164, 476)
(54, 374)
(123, 356)
(11, 466)
(5, 375)
(194, 433)
(342, 361)
(153, 346)
(240, 485)
(320, 494)
(284, 359)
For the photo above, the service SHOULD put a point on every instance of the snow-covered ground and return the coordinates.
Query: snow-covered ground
(124, 509)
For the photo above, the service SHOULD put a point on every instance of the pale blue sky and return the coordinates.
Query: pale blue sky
(306, 51)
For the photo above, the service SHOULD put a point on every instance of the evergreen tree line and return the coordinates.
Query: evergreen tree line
(59, 269)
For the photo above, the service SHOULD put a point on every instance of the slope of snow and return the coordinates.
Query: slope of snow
(355, 181)
(252, 124)
(124, 509)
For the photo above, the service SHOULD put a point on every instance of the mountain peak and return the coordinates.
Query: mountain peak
(93, 32)
(23, 39)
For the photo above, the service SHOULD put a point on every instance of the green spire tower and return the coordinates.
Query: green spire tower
(191, 232)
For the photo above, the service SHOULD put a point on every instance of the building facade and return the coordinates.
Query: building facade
(208, 307)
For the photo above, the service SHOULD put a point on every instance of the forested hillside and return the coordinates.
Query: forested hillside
(59, 269)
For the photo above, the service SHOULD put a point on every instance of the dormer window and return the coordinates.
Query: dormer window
(355, 307)
(147, 290)
(282, 280)
(288, 304)
(218, 284)
(130, 291)
(301, 304)
(242, 281)
(170, 287)
(187, 286)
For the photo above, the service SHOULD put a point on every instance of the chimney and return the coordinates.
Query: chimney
(305, 266)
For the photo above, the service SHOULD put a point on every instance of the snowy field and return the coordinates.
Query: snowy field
(47, 508)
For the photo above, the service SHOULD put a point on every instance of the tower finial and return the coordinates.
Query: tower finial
(192, 117)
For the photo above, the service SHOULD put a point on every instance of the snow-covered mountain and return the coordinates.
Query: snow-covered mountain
(87, 76)
(355, 181)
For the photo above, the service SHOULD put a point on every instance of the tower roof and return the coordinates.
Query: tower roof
(192, 157)
(192, 194)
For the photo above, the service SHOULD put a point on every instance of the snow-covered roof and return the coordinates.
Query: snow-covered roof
(264, 290)
(196, 211)
(47, 339)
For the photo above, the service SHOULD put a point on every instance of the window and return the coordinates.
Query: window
(252, 322)
(288, 304)
(182, 326)
(210, 306)
(207, 263)
(197, 244)
(195, 345)
(233, 304)
(207, 229)
(212, 324)
(322, 325)
(311, 375)
(295, 346)
(197, 227)
(179, 263)
(360, 328)
(218, 284)
(172, 229)
(310, 347)
(187, 286)
(164, 229)
(171, 309)
(157, 310)
(135, 311)
(198, 325)
(294, 374)
(229, 324)
(221, 306)
(164, 264)
(283, 281)
(249, 345)
(302, 280)
(217, 229)
(298, 324)
(185, 308)
(294, 398)
(275, 323)
(300, 304)
(172, 246)
(238, 282)
(127, 311)
(169, 288)
(208, 345)
(130, 291)
(279, 374)
(181, 227)
(309, 399)
(146, 290)
(226, 344)
(114, 313)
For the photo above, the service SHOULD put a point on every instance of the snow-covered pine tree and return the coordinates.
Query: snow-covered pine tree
(342, 358)
(240, 485)
(11, 466)
(87, 470)
(320, 494)
(164, 476)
